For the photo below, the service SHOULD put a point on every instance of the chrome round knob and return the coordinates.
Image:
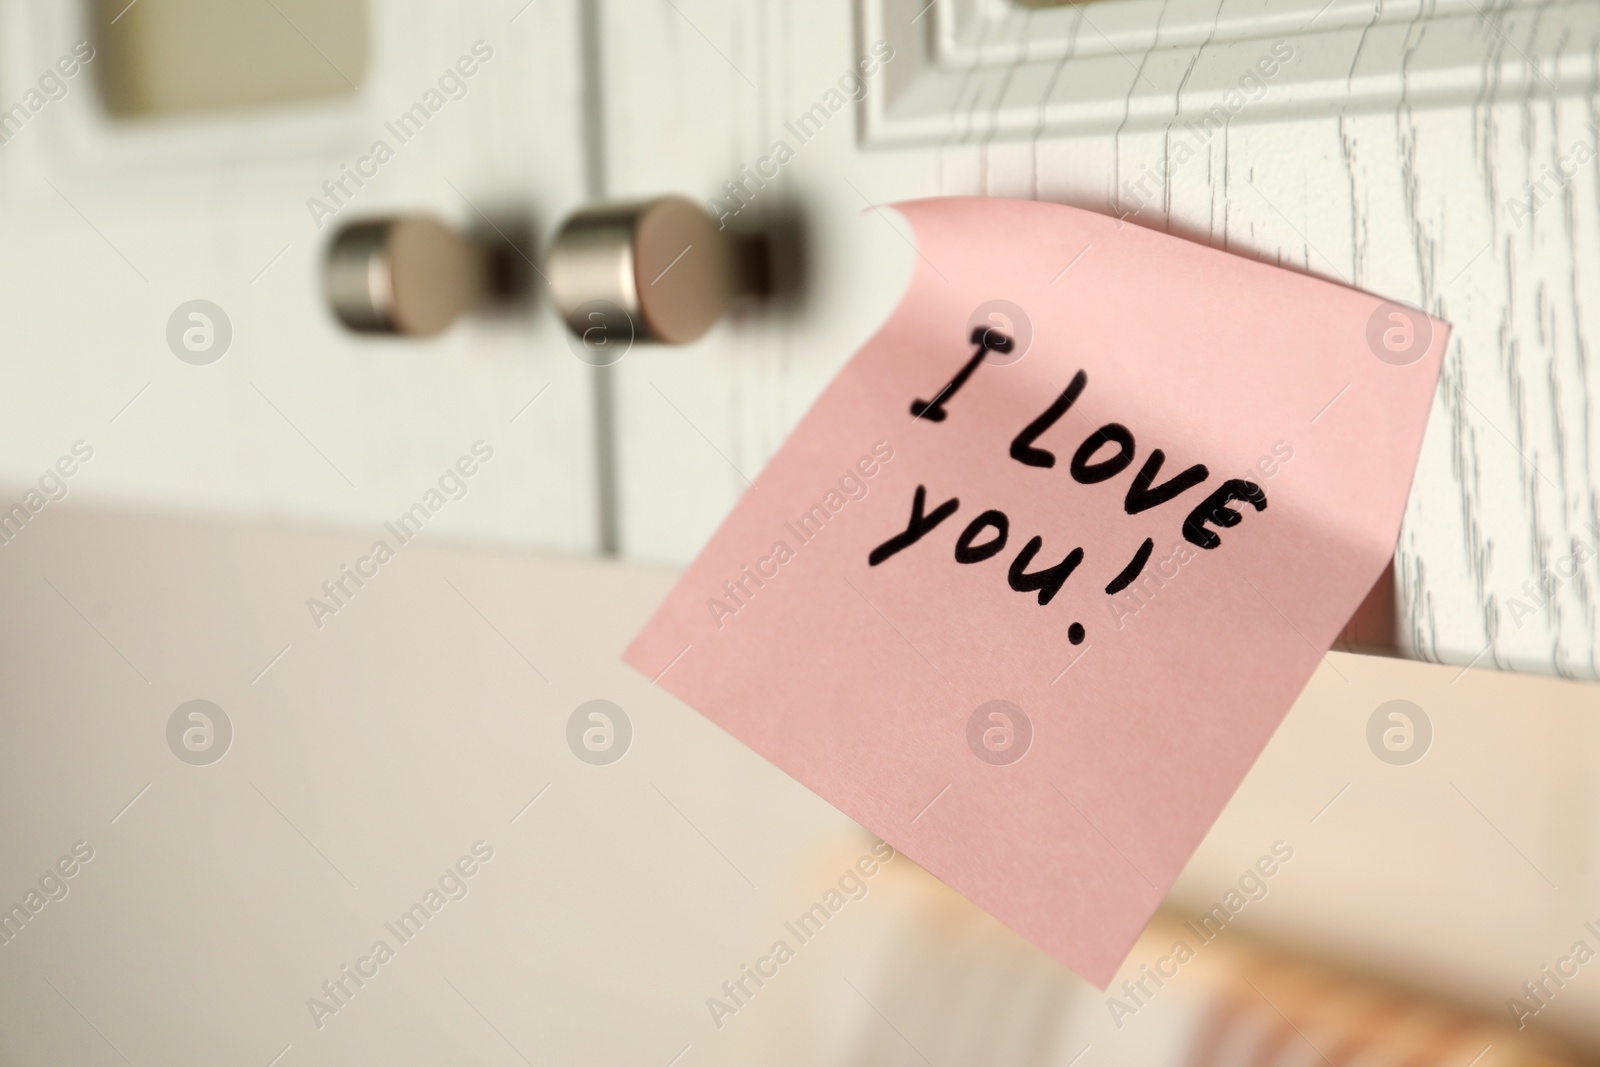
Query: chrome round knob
(410, 275)
(656, 270)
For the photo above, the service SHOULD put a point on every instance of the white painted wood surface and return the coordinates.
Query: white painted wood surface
(1390, 155)
(107, 226)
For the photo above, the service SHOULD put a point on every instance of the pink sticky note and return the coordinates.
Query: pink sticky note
(937, 695)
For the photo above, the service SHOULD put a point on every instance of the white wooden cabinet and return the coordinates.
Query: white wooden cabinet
(109, 225)
(1435, 152)
(1391, 151)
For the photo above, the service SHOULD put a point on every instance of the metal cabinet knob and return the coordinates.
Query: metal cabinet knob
(410, 275)
(653, 270)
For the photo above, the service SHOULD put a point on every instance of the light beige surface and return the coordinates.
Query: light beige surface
(425, 714)
(166, 56)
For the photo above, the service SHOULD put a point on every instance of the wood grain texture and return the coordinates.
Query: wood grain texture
(1408, 189)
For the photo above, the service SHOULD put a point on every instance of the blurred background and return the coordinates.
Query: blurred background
(216, 800)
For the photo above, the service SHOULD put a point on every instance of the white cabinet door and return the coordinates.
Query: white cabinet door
(110, 226)
(1434, 152)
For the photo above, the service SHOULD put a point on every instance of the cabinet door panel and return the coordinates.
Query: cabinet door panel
(110, 225)
(1389, 150)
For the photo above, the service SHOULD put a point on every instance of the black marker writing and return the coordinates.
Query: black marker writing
(919, 525)
(1048, 581)
(1093, 473)
(1101, 456)
(1143, 495)
(967, 552)
(1135, 566)
(1214, 508)
(1022, 449)
(988, 340)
